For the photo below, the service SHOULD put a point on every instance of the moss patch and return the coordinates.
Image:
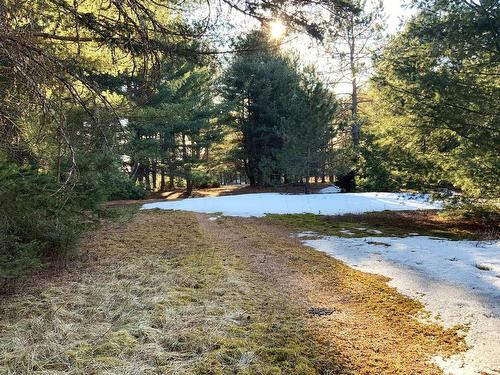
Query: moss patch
(373, 329)
(383, 224)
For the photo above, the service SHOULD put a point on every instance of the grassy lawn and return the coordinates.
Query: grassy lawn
(159, 292)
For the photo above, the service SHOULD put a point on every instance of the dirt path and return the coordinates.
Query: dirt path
(358, 324)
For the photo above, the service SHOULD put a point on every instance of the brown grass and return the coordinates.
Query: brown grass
(158, 298)
(373, 328)
(172, 293)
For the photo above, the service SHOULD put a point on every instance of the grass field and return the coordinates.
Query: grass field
(158, 292)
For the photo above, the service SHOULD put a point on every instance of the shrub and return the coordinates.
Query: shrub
(122, 187)
(485, 212)
(33, 220)
(204, 180)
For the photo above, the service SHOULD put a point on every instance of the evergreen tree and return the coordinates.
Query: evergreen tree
(308, 130)
(284, 117)
(260, 85)
(439, 99)
(172, 131)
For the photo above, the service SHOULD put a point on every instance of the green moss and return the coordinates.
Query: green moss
(377, 224)
(119, 343)
(80, 355)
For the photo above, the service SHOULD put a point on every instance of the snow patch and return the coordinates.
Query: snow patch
(274, 203)
(306, 233)
(332, 189)
(444, 276)
(346, 231)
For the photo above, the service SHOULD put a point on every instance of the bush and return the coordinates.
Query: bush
(100, 179)
(485, 212)
(33, 221)
(122, 187)
(203, 180)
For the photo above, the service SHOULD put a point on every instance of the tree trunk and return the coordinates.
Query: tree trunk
(171, 182)
(189, 186)
(147, 180)
(306, 185)
(355, 129)
(349, 178)
(154, 172)
(163, 185)
(187, 167)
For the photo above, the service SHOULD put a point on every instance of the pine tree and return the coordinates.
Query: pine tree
(438, 97)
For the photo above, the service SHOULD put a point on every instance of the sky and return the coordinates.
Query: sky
(310, 51)
(395, 10)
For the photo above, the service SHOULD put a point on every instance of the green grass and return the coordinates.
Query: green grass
(389, 223)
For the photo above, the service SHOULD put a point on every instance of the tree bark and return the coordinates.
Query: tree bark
(163, 185)
(306, 185)
(154, 172)
(355, 129)
(187, 167)
(147, 180)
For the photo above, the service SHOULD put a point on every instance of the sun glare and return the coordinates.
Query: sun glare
(277, 29)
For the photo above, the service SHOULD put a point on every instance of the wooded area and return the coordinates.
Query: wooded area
(117, 99)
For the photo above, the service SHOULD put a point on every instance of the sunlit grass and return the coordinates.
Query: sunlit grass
(379, 224)
(159, 299)
(164, 294)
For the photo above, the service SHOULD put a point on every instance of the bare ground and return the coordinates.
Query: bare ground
(175, 293)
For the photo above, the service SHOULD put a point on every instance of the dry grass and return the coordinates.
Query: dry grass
(172, 293)
(160, 299)
(373, 328)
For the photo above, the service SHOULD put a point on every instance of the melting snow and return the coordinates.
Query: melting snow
(330, 190)
(275, 203)
(459, 280)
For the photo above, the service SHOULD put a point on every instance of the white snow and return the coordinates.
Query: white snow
(330, 190)
(275, 203)
(445, 277)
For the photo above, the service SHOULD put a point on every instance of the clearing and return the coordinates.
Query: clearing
(458, 281)
(174, 292)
